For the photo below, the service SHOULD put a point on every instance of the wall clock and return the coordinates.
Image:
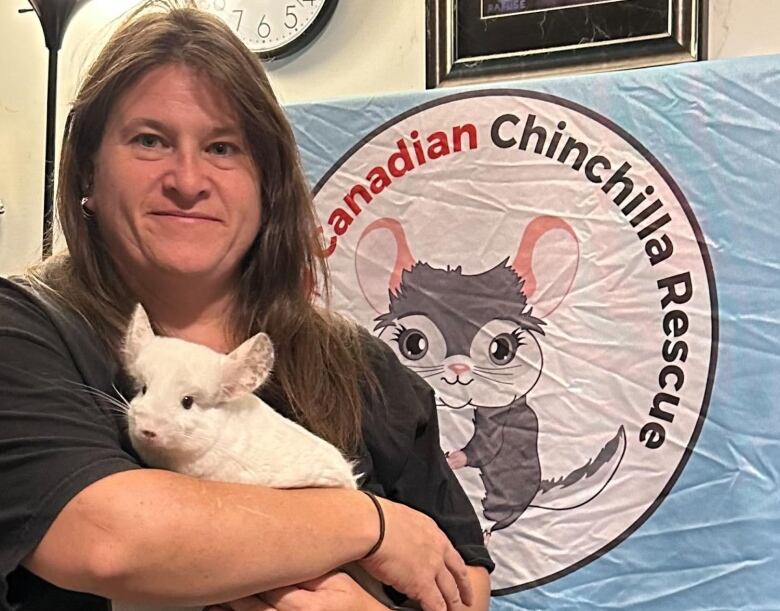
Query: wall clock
(273, 28)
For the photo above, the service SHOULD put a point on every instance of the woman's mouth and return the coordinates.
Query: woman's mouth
(185, 217)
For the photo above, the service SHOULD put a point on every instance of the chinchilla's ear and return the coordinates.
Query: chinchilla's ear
(139, 333)
(381, 257)
(547, 261)
(246, 368)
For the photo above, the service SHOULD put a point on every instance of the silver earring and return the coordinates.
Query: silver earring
(88, 213)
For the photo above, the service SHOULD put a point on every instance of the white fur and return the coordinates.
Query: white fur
(228, 434)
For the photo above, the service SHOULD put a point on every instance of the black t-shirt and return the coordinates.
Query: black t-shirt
(57, 437)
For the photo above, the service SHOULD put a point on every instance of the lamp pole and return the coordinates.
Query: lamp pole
(54, 16)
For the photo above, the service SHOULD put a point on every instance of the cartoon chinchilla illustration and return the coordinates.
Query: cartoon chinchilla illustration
(476, 339)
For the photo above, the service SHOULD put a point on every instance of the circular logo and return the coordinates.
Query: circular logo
(544, 274)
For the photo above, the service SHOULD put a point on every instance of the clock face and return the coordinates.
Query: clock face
(272, 28)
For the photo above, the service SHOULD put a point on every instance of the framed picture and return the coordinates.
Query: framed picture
(479, 40)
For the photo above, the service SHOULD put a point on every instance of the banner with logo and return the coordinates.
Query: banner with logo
(586, 272)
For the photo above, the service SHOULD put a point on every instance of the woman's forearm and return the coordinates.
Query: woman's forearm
(155, 535)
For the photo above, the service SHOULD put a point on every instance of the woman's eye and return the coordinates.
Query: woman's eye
(187, 401)
(222, 148)
(148, 140)
(503, 348)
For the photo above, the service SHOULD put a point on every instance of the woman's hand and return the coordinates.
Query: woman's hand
(332, 592)
(456, 459)
(250, 603)
(416, 558)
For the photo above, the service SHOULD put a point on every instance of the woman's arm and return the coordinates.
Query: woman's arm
(149, 535)
(156, 535)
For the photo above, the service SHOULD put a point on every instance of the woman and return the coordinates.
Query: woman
(180, 188)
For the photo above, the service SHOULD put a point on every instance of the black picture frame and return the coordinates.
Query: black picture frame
(471, 41)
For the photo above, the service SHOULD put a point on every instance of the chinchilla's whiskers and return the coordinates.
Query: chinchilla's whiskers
(82, 386)
(425, 367)
(122, 411)
(115, 404)
(432, 373)
(121, 405)
(503, 368)
(484, 377)
(121, 396)
(498, 374)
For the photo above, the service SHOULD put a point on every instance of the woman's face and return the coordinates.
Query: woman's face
(175, 189)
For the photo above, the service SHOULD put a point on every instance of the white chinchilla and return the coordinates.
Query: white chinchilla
(195, 413)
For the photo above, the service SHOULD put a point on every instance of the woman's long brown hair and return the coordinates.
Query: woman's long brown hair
(321, 370)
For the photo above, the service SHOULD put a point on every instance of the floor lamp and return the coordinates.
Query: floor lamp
(54, 16)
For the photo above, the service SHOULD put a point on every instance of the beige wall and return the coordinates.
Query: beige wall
(740, 28)
(363, 51)
(22, 106)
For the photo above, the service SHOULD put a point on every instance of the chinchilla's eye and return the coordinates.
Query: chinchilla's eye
(413, 344)
(143, 389)
(187, 401)
(503, 348)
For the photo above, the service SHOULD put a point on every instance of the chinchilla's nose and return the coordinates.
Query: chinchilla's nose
(148, 434)
(459, 368)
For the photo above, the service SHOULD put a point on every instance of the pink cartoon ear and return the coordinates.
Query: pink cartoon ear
(381, 255)
(547, 260)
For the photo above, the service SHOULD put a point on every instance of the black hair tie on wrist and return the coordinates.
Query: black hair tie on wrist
(381, 513)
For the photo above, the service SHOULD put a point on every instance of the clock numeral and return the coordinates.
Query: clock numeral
(311, 2)
(240, 15)
(290, 12)
(263, 28)
(219, 5)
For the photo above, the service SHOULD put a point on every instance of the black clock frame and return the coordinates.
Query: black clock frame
(306, 37)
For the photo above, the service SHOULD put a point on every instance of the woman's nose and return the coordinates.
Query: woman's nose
(187, 178)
